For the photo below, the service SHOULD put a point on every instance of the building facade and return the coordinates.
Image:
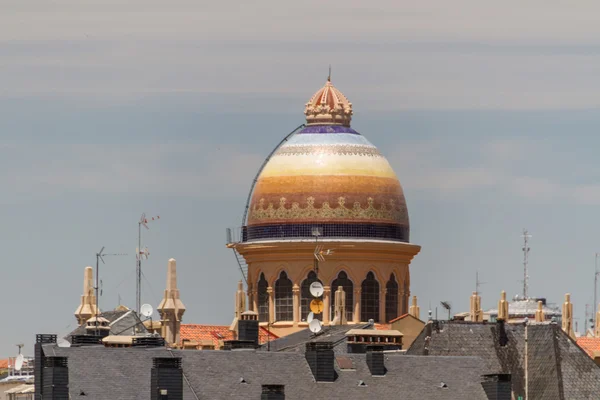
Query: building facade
(327, 190)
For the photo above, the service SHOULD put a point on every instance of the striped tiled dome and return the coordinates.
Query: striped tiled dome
(328, 175)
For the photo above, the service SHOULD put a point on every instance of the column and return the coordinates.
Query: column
(254, 301)
(357, 305)
(296, 302)
(271, 304)
(382, 293)
(250, 294)
(326, 304)
(401, 302)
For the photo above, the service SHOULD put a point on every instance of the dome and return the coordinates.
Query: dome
(329, 176)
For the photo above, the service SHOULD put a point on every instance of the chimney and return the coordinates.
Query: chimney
(340, 306)
(40, 340)
(248, 327)
(55, 383)
(502, 307)
(567, 316)
(320, 358)
(166, 379)
(597, 357)
(171, 308)
(475, 312)
(87, 308)
(414, 309)
(375, 360)
(539, 313)
(497, 386)
(273, 392)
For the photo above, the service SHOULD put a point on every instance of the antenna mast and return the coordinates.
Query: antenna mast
(526, 249)
(99, 256)
(139, 255)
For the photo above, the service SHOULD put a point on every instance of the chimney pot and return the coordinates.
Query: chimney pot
(375, 360)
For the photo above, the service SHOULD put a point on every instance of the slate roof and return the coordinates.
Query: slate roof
(558, 368)
(296, 342)
(121, 323)
(218, 333)
(124, 373)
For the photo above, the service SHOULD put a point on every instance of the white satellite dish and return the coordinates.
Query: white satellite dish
(316, 289)
(146, 310)
(19, 362)
(310, 317)
(315, 326)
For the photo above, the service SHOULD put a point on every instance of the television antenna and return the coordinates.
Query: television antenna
(99, 258)
(447, 306)
(141, 254)
(478, 283)
(526, 236)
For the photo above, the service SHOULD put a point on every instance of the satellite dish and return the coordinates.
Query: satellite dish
(316, 289)
(310, 317)
(146, 310)
(19, 362)
(315, 326)
(316, 306)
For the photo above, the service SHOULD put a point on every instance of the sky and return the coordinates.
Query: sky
(488, 113)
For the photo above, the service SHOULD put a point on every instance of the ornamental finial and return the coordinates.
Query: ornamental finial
(328, 106)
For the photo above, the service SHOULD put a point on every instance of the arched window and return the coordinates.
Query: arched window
(263, 299)
(391, 299)
(306, 297)
(369, 300)
(284, 302)
(343, 281)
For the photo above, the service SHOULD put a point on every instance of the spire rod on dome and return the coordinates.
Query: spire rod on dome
(329, 76)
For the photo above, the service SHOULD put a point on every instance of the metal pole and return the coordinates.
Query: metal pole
(97, 286)
(138, 299)
(595, 291)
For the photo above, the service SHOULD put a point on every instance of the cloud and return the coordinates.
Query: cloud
(201, 170)
(500, 165)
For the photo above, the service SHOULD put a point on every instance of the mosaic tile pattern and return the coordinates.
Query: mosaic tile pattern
(328, 174)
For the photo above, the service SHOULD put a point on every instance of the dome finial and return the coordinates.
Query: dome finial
(329, 76)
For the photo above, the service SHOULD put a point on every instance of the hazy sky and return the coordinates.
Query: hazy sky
(489, 115)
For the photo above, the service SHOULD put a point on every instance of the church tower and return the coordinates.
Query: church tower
(171, 308)
(87, 308)
(327, 186)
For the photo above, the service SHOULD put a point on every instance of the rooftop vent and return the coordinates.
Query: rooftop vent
(239, 345)
(375, 360)
(497, 386)
(273, 392)
(166, 379)
(362, 384)
(320, 358)
(357, 340)
(148, 341)
(85, 340)
(45, 338)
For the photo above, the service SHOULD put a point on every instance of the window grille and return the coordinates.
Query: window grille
(284, 302)
(369, 301)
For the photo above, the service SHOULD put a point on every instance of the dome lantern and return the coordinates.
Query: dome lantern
(328, 106)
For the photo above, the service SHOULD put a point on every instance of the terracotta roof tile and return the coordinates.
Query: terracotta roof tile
(3, 364)
(383, 327)
(217, 333)
(589, 344)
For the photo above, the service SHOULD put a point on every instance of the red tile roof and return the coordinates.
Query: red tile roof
(383, 327)
(215, 333)
(3, 364)
(589, 344)
(399, 318)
